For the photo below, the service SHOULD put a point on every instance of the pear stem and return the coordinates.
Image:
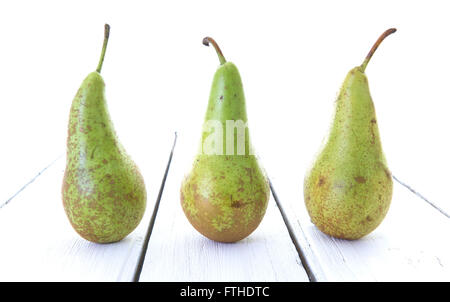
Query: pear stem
(375, 46)
(105, 43)
(208, 40)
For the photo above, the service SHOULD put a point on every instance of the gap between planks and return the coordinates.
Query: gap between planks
(297, 245)
(31, 181)
(421, 197)
(140, 263)
(303, 246)
(207, 252)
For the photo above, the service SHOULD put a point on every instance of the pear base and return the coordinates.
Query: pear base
(225, 197)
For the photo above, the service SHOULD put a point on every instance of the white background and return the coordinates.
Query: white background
(292, 55)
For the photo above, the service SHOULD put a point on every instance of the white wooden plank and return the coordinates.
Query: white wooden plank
(177, 252)
(407, 246)
(38, 243)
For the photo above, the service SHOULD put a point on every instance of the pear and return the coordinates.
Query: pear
(225, 195)
(348, 190)
(103, 191)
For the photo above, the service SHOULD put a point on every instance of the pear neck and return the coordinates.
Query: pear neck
(227, 100)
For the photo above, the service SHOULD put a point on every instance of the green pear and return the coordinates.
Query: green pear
(225, 195)
(103, 191)
(348, 190)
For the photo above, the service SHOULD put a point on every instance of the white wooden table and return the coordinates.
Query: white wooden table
(38, 243)
(158, 76)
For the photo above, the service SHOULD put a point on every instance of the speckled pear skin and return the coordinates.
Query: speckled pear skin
(348, 190)
(103, 191)
(225, 197)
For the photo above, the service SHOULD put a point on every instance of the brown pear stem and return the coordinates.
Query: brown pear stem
(105, 43)
(375, 46)
(208, 40)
